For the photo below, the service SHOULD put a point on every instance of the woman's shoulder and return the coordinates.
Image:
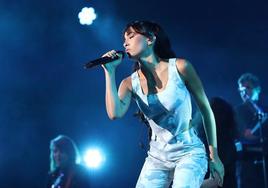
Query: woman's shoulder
(183, 65)
(185, 69)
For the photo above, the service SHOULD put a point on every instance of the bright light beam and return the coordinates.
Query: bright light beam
(87, 16)
(93, 158)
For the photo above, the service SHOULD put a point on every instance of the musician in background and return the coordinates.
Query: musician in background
(250, 117)
(248, 112)
(65, 172)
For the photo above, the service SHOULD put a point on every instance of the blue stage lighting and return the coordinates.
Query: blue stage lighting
(94, 158)
(87, 15)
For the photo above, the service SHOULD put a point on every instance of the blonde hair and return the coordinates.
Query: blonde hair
(66, 145)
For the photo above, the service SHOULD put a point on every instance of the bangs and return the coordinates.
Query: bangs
(138, 27)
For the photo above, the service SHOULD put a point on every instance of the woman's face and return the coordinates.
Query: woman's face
(60, 157)
(135, 44)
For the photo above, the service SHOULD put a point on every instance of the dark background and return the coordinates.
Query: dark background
(45, 91)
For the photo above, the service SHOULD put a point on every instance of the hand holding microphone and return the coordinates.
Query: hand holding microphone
(109, 60)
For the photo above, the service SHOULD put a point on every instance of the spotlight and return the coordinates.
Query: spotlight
(93, 158)
(87, 15)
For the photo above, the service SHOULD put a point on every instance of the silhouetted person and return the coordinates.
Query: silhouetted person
(226, 135)
(65, 172)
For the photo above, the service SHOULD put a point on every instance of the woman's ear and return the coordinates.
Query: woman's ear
(151, 40)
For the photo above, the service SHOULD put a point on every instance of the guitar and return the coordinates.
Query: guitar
(258, 125)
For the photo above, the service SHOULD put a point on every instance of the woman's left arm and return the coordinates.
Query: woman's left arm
(194, 85)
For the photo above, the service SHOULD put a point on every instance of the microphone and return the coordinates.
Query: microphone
(103, 60)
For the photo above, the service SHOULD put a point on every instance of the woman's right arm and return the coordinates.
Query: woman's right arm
(117, 102)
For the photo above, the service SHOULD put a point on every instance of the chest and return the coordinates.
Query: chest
(154, 83)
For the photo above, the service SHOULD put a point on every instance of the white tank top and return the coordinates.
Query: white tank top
(169, 111)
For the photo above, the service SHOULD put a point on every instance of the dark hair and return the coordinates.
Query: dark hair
(249, 77)
(162, 46)
(66, 145)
